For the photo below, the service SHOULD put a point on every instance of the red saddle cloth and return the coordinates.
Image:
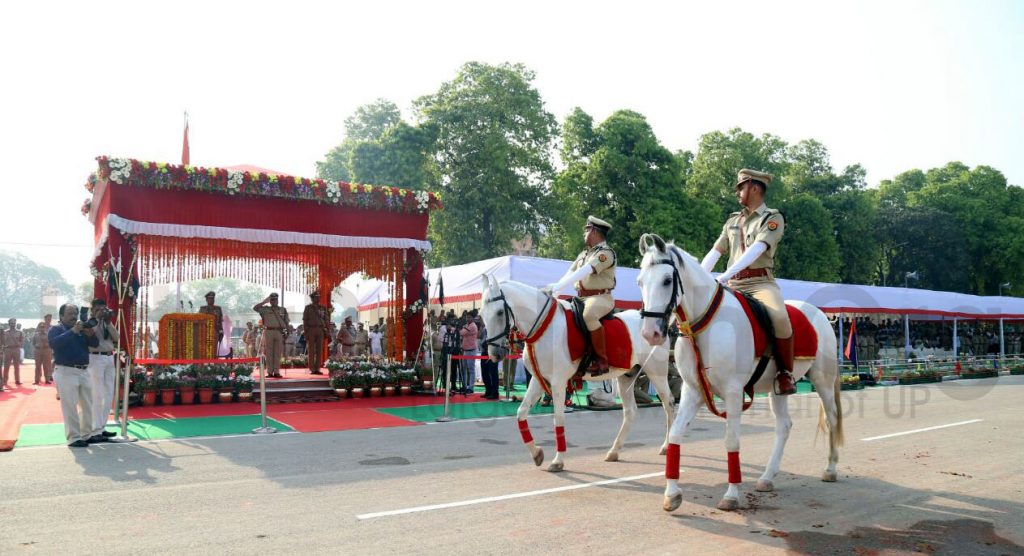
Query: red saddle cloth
(616, 339)
(805, 338)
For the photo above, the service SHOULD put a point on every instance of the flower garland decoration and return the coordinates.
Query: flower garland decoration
(160, 175)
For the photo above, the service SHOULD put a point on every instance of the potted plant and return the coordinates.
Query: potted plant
(147, 387)
(167, 384)
(204, 386)
(357, 384)
(243, 386)
(187, 389)
(340, 384)
(406, 378)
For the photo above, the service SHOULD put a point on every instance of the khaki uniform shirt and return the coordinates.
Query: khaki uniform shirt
(744, 228)
(314, 316)
(362, 337)
(274, 317)
(218, 316)
(13, 339)
(41, 340)
(601, 259)
(347, 335)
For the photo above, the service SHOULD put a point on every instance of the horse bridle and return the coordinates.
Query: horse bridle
(677, 290)
(506, 332)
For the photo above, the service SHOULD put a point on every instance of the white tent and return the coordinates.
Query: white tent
(462, 283)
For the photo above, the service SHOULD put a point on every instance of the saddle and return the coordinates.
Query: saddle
(805, 338)
(617, 340)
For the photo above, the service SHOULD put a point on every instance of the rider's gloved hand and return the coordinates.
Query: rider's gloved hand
(549, 288)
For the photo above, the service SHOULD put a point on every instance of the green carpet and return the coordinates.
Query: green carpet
(152, 429)
(461, 411)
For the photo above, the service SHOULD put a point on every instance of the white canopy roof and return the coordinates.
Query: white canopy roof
(463, 283)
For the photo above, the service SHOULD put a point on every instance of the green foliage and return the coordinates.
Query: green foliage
(23, 283)
(721, 155)
(367, 124)
(854, 215)
(400, 157)
(621, 173)
(808, 250)
(492, 153)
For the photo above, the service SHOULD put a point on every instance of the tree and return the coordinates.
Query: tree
(808, 250)
(23, 282)
(622, 174)
(492, 153)
(854, 214)
(400, 158)
(721, 155)
(368, 123)
(920, 240)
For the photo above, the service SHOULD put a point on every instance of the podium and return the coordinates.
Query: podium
(187, 336)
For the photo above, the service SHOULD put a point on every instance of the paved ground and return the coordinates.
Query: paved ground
(952, 490)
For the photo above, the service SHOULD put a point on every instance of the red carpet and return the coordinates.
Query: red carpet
(318, 420)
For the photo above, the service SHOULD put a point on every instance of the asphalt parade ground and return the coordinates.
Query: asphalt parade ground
(926, 469)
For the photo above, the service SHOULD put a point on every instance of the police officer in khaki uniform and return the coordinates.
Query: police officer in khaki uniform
(750, 237)
(12, 340)
(218, 314)
(43, 353)
(275, 319)
(593, 273)
(314, 323)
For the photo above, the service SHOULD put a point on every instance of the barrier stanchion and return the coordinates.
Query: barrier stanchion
(123, 406)
(263, 392)
(447, 392)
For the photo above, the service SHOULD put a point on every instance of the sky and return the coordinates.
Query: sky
(891, 85)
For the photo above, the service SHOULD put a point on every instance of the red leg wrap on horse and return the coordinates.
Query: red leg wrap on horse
(524, 429)
(734, 468)
(560, 438)
(672, 462)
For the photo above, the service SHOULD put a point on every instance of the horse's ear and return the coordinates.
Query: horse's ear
(650, 240)
(487, 281)
(658, 242)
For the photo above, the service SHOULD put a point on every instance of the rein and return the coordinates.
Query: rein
(537, 329)
(692, 330)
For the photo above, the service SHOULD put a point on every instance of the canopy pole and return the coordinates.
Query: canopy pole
(906, 337)
(1002, 345)
(956, 340)
(839, 349)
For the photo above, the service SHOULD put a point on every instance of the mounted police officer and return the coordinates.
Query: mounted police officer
(750, 237)
(593, 273)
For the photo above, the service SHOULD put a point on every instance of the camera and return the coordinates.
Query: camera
(83, 316)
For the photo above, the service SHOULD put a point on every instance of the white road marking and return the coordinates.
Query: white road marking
(937, 511)
(922, 430)
(506, 497)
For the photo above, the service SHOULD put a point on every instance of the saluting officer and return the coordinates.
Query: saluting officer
(593, 273)
(751, 237)
(275, 318)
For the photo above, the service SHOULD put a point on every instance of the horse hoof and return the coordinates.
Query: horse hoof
(538, 458)
(729, 504)
(556, 467)
(673, 502)
(764, 486)
(612, 456)
(829, 476)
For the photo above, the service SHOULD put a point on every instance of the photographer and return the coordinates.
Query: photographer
(101, 365)
(468, 333)
(70, 342)
(451, 345)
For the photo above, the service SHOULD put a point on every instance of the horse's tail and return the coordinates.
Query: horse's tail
(835, 433)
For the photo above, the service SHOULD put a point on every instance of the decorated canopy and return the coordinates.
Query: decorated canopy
(181, 223)
(462, 283)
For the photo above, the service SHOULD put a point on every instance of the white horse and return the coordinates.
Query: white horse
(538, 317)
(670, 278)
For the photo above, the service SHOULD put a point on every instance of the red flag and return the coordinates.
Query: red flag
(851, 344)
(184, 145)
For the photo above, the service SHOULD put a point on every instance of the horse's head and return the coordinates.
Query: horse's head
(497, 318)
(661, 287)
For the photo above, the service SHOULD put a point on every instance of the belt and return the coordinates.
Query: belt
(750, 273)
(73, 366)
(584, 292)
(101, 353)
